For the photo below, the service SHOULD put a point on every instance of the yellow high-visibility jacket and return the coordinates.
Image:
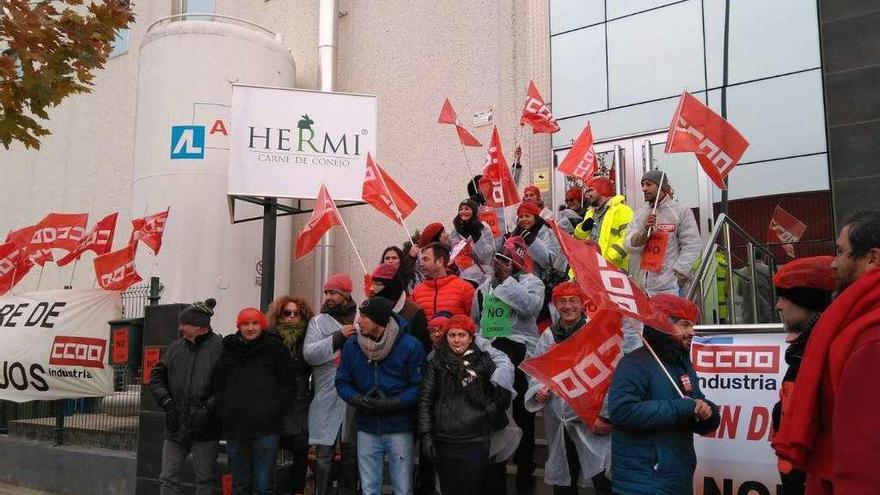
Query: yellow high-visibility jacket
(613, 233)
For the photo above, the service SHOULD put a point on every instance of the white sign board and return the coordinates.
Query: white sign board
(54, 344)
(286, 142)
(742, 374)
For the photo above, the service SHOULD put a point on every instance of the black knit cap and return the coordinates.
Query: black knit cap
(378, 310)
(198, 314)
(806, 297)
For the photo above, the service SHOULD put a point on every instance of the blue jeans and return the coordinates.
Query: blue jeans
(252, 462)
(372, 450)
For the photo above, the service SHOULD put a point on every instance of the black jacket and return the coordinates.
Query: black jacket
(455, 413)
(254, 384)
(184, 374)
(296, 414)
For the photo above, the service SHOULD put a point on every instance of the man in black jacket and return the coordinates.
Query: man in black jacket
(181, 384)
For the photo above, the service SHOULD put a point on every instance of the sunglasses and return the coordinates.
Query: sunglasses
(288, 313)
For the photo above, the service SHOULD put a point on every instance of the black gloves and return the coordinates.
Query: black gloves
(167, 403)
(200, 417)
(386, 405)
(364, 405)
(429, 450)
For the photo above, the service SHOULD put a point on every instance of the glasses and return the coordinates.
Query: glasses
(289, 314)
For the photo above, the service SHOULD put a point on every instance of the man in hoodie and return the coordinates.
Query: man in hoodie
(441, 291)
(379, 374)
(330, 419)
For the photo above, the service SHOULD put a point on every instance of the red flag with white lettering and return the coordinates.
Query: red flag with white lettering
(497, 185)
(579, 369)
(14, 265)
(536, 113)
(607, 286)
(324, 216)
(22, 238)
(115, 270)
(149, 230)
(384, 194)
(99, 240)
(580, 161)
(448, 116)
(717, 144)
(58, 231)
(784, 227)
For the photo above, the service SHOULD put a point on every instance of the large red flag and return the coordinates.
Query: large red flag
(607, 286)
(580, 161)
(115, 270)
(536, 113)
(149, 230)
(448, 116)
(580, 369)
(14, 265)
(497, 185)
(785, 228)
(717, 144)
(99, 240)
(58, 231)
(324, 216)
(381, 191)
(22, 239)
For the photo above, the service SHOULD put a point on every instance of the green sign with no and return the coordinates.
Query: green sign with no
(495, 320)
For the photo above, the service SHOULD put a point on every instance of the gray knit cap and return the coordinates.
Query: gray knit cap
(198, 314)
(656, 176)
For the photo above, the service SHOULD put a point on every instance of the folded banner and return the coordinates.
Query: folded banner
(497, 185)
(99, 240)
(324, 217)
(580, 369)
(580, 162)
(115, 270)
(784, 227)
(384, 194)
(14, 265)
(55, 344)
(448, 116)
(59, 231)
(22, 239)
(149, 230)
(536, 113)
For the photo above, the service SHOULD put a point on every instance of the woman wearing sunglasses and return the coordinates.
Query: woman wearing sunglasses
(289, 317)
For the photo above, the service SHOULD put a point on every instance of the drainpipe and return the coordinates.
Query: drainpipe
(328, 13)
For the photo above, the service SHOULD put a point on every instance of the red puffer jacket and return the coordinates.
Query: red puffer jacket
(449, 293)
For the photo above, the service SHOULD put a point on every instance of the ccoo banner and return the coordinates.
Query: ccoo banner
(742, 373)
(54, 344)
(285, 143)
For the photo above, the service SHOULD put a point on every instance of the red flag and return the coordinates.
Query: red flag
(536, 113)
(58, 231)
(324, 216)
(99, 240)
(149, 229)
(448, 116)
(381, 191)
(497, 184)
(607, 286)
(580, 369)
(115, 270)
(717, 144)
(580, 161)
(785, 228)
(22, 239)
(14, 265)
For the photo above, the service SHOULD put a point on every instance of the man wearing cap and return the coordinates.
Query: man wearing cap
(330, 420)
(606, 221)
(830, 429)
(673, 221)
(386, 282)
(181, 385)
(574, 201)
(441, 290)
(379, 374)
(519, 296)
(654, 415)
(804, 288)
(575, 450)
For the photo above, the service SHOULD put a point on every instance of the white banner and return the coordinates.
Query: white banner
(742, 373)
(285, 143)
(55, 344)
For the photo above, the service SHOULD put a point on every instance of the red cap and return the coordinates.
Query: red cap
(529, 207)
(567, 289)
(532, 189)
(462, 322)
(431, 233)
(813, 272)
(602, 185)
(438, 321)
(251, 314)
(676, 307)
(385, 271)
(339, 282)
(574, 193)
(516, 249)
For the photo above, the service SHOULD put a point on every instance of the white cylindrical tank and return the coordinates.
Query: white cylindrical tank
(181, 159)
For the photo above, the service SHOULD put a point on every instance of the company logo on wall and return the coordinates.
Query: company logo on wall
(304, 145)
(208, 130)
(187, 142)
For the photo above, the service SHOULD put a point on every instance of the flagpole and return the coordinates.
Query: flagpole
(381, 175)
(39, 278)
(662, 367)
(350, 239)
(654, 212)
(467, 163)
(72, 272)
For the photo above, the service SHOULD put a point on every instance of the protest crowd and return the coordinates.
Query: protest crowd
(440, 368)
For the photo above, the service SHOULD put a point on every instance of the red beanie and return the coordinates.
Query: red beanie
(431, 233)
(574, 193)
(532, 189)
(813, 272)
(515, 248)
(463, 322)
(339, 282)
(251, 314)
(529, 207)
(567, 289)
(438, 321)
(602, 185)
(385, 271)
(676, 307)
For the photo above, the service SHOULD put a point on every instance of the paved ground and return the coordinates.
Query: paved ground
(7, 489)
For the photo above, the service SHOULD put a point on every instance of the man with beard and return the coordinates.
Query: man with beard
(803, 287)
(606, 221)
(330, 419)
(652, 444)
(831, 431)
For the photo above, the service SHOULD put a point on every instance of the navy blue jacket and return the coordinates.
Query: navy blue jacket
(397, 376)
(652, 445)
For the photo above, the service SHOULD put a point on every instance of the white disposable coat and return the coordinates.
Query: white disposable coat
(328, 411)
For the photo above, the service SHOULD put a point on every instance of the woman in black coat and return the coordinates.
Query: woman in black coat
(459, 408)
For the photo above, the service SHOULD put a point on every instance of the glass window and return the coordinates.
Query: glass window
(572, 14)
(120, 44)
(578, 60)
(807, 173)
(617, 8)
(194, 7)
(636, 119)
(655, 54)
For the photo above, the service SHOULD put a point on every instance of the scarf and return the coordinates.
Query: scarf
(291, 333)
(529, 235)
(794, 354)
(855, 310)
(458, 364)
(561, 333)
(377, 350)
